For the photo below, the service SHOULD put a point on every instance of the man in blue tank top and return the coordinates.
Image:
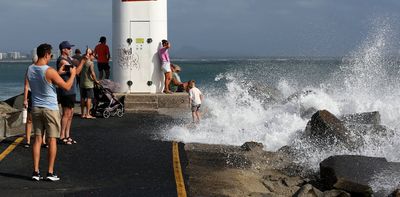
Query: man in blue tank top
(42, 80)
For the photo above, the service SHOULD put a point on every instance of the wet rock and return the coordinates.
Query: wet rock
(13, 124)
(373, 118)
(5, 108)
(336, 193)
(16, 102)
(308, 191)
(325, 129)
(281, 184)
(10, 121)
(395, 193)
(252, 146)
(355, 174)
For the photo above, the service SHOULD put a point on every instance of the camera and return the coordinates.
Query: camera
(67, 67)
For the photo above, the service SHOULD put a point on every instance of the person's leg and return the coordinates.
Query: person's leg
(198, 116)
(194, 116)
(52, 152)
(36, 152)
(107, 73)
(52, 119)
(64, 121)
(28, 129)
(167, 81)
(100, 69)
(88, 105)
(69, 122)
(83, 115)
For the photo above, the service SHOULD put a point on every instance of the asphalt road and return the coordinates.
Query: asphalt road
(113, 157)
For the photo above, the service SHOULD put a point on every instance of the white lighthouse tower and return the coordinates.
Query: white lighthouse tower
(138, 28)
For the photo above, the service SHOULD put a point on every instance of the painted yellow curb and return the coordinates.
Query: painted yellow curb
(180, 183)
(11, 148)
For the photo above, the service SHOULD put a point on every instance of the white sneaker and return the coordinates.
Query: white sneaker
(36, 176)
(52, 177)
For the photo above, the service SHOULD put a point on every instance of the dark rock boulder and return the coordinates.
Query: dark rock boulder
(6, 108)
(16, 102)
(373, 118)
(325, 129)
(355, 174)
(11, 117)
(252, 146)
(395, 193)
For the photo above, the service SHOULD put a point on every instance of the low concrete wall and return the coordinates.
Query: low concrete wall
(176, 100)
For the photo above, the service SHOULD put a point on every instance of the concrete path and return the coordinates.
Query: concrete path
(113, 157)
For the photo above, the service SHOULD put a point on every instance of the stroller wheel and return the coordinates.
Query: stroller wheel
(120, 112)
(106, 114)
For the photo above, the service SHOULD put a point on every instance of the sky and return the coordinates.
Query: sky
(211, 27)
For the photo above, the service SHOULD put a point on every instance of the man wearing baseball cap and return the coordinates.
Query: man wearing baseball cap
(102, 54)
(66, 98)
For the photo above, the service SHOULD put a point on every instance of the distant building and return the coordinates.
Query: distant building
(34, 55)
(4, 55)
(1, 56)
(14, 55)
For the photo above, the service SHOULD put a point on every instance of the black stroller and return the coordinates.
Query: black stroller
(106, 104)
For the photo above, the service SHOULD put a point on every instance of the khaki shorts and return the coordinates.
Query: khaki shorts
(46, 121)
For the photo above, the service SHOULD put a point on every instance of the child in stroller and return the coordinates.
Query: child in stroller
(106, 104)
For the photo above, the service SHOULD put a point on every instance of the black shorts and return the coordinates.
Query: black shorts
(195, 108)
(87, 93)
(68, 101)
(103, 66)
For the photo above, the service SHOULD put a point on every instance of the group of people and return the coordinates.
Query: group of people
(46, 88)
(173, 83)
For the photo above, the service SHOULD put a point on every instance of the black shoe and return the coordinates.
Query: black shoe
(36, 176)
(52, 177)
(27, 145)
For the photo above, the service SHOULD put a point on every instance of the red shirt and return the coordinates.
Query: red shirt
(102, 52)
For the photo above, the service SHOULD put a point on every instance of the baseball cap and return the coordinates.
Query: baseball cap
(102, 39)
(65, 45)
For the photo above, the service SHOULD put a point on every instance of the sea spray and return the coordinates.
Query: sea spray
(238, 106)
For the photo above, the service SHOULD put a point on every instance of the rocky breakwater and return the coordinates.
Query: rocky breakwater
(11, 117)
(219, 170)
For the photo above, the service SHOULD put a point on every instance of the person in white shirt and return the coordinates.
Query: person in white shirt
(195, 99)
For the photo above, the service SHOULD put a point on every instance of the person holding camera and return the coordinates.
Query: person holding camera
(42, 80)
(67, 98)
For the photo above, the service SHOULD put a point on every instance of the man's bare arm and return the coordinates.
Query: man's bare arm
(53, 77)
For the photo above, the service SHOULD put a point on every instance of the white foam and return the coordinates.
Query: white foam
(365, 82)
